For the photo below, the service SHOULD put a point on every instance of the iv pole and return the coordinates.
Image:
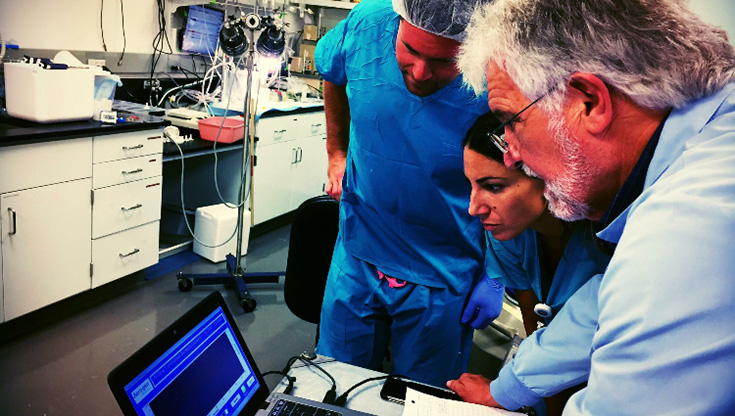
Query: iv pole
(236, 272)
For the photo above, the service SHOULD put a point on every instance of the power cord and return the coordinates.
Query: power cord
(342, 399)
(291, 379)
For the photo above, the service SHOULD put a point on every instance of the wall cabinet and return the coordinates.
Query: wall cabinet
(75, 214)
(290, 163)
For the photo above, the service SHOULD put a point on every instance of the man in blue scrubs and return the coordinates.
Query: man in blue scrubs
(408, 253)
(627, 110)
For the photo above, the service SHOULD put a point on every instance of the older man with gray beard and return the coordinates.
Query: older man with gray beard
(626, 109)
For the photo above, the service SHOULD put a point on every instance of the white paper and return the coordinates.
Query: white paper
(418, 403)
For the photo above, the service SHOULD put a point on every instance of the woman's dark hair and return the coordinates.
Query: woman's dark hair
(478, 137)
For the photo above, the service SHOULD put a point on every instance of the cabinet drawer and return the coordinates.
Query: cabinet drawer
(311, 124)
(275, 130)
(124, 253)
(126, 170)
(31, 165)
(117, 208)
(125, 145)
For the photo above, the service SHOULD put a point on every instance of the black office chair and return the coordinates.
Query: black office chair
(313, 234)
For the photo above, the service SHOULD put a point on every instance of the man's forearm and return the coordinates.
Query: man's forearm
(337, 113)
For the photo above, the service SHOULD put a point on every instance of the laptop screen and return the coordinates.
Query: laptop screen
(205, 370)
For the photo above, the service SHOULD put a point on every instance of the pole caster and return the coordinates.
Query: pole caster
(185, 284)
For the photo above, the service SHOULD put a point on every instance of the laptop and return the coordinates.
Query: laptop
(200, 365)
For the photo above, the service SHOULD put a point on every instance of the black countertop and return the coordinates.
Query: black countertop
(14, 131)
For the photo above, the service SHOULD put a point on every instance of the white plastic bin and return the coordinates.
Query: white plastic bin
(48, 95)
(213, 225)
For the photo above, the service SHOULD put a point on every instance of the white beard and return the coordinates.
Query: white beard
(560, 192)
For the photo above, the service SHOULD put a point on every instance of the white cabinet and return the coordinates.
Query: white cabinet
(45, 225)
(291, 163)
(75, 214)
(126, 204)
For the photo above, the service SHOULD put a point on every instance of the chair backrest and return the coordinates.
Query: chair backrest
(313, 234)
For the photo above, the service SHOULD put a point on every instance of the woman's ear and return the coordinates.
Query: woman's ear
(590, 102)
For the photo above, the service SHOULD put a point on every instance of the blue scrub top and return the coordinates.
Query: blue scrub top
(405, 198)
(518, 264)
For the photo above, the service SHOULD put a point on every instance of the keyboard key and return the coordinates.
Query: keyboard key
(305, 410)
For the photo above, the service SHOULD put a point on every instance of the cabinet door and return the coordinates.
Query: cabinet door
(272, 180)
(45, 245)
(310, 171)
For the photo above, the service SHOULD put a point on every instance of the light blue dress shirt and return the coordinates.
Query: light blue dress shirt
(655, 334)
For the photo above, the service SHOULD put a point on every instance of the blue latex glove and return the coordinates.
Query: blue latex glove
(485, 304)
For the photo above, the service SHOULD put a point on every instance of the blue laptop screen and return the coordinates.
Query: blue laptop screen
(205, 373)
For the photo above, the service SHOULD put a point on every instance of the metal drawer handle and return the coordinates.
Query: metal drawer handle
(140, 146)
(280, 131)
(122, 256)
(316, 124)
(132, 171)
(12, 221)
(136, 206)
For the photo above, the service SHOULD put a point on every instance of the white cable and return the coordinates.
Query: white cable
(183, 204)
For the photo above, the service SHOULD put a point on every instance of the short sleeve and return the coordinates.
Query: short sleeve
(329, 55)
(369, 18)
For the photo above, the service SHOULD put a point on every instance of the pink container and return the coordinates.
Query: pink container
(232, 130)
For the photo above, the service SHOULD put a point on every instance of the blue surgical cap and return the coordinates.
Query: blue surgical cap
(446, 18)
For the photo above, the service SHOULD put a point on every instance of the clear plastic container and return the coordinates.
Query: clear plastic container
(104, 92)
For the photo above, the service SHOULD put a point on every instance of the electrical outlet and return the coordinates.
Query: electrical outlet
(155, 85)
(96, 62)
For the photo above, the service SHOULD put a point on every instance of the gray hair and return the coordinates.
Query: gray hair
(657, 52)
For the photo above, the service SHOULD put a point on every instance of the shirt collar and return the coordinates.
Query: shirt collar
(633, 185)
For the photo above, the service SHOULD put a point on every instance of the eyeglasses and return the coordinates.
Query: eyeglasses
(499, 139)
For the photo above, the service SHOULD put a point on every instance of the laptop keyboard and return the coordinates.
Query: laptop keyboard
(288, 408)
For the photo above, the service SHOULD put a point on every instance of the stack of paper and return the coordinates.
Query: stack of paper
(420, 404)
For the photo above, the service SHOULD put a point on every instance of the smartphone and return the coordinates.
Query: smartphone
(394, 390)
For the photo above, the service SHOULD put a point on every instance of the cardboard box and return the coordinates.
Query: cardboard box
(307, 51)
(297, 64)
(311, 32)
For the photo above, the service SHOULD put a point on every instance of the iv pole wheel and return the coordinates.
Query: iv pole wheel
(248, 304)
(185, 285)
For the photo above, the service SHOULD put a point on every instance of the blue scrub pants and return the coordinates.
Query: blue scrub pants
(361, 314)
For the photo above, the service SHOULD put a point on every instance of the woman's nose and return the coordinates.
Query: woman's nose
(476, 208)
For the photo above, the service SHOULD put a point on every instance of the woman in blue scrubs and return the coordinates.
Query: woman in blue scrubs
(542, 258)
